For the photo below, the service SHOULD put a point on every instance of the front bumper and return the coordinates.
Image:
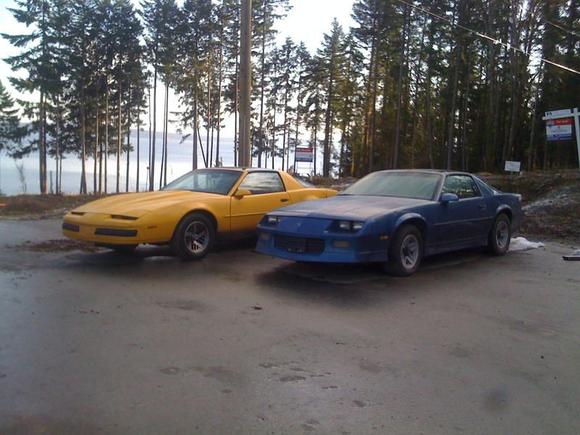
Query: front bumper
(322, 248)
(102, 229)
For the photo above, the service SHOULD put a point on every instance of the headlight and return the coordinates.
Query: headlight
(272, 220)
(350, 225)
(357, 226)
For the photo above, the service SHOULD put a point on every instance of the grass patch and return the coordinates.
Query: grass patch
(41, 205)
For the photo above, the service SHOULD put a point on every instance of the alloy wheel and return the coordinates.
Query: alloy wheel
(410, 251)
(197, 237)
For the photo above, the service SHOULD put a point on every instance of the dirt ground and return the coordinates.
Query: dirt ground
(97, 343)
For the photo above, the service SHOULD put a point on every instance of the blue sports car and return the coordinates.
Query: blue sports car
(394, 218)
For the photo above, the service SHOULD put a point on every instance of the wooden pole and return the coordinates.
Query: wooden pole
(245, 159)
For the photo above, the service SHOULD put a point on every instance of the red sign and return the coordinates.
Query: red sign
(559, 129)
(563, 121)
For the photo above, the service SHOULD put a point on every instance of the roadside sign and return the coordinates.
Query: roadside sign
(558, 113)
(559, 129)
(563, 131)
(513, 166)
(304, 154)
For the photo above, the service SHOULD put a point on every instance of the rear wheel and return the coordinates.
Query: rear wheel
(500, 235)
(405, 251)
(194, 237)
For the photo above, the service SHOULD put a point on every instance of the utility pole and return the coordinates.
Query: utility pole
(245, 159)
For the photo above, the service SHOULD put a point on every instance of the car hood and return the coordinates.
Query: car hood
(354, 207)
(137, 204)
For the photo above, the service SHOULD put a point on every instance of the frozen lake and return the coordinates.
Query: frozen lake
(179, 158)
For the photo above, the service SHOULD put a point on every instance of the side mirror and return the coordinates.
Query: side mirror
(240, 193)
(446, 198)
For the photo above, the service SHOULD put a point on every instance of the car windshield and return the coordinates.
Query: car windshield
(218, 181)
(400, 184)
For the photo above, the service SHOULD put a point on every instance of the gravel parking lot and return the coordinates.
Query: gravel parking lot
(93, 342)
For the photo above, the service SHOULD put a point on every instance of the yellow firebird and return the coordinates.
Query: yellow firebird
(190, 213)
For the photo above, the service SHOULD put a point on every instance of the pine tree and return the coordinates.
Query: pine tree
(331, 61)
(266, 13)
(10, 129)
(161, 18)
(35, 59)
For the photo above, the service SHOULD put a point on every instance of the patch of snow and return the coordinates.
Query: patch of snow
(523, 244)
(559, 197)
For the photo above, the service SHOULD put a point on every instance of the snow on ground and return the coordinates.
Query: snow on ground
(523, 244)
(559, 197)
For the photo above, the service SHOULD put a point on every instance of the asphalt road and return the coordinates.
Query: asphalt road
(242, 343)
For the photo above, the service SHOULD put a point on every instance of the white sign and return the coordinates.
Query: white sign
(557, 113)
(304, 155)
(513, 166)
(559, 129)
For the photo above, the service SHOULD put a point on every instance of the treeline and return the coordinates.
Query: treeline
(412, 84)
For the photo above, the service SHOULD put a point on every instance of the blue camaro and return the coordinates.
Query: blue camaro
(395, 218)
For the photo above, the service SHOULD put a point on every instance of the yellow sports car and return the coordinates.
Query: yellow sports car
(189, 213)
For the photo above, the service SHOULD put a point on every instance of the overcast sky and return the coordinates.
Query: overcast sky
(307, 21)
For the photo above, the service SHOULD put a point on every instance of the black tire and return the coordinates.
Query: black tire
(501, 233)
(185, 245)
(405, 251)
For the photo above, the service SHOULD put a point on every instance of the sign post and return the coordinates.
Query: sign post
(302, 154)
(514, 167)
(559, 126)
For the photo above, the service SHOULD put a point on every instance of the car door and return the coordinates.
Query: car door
(463, 222)
(267, 193)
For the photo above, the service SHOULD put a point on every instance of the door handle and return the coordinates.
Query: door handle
(483, 207)
(284, 200)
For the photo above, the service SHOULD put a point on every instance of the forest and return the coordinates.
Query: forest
(456, 84)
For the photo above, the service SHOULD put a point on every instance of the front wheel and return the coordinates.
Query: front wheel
(500, 235)
(405, 252)
(193, 237)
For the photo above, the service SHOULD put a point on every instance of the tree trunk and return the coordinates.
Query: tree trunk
(83, 188)
(195, 132)
(284, 130)
(399, 89)
(208, 120)
(149, 143)
(100, 188)
(262, 86)
(96, 147)
(119, 135)
(165, 132)
(138, 144)
(154, 133)
(219, 109)
(236, 100)
(128, 142)
(328, 126)
(106, 180)
(163, 149)
(451, 119)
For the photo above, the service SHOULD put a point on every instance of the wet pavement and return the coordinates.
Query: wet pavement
(94, 342)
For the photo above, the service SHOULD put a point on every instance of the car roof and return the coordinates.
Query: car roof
(240, 169)
(428, 171)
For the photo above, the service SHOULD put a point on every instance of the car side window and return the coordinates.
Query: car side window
(263, 182)
(462, 185)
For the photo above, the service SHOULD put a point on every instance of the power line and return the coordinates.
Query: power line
(489, 38)
(563, 29)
